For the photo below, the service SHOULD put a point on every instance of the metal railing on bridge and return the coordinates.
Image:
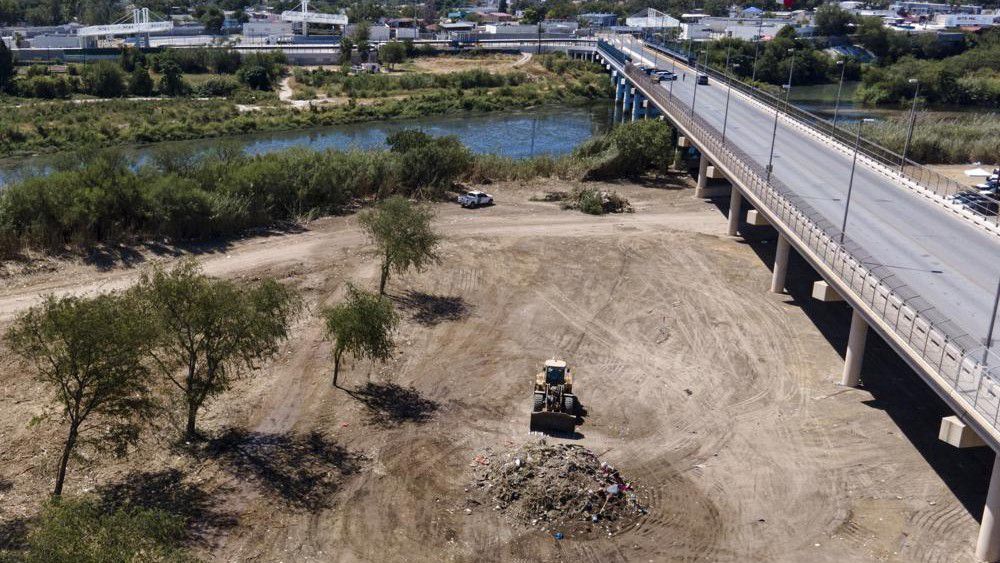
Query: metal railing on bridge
(914, 172)
(958, 360)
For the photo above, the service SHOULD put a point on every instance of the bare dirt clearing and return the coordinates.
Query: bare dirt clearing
(716, 396)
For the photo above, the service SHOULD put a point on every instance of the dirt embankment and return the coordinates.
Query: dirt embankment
(714, 397)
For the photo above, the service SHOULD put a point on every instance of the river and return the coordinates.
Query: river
(517, 134)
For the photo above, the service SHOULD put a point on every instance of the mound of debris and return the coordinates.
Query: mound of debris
(561, 488)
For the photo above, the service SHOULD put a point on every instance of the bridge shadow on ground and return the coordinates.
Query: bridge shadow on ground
(896, 389)
(304, 471)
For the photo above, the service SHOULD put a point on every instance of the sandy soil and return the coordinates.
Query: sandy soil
(716, 396)
(956, 172)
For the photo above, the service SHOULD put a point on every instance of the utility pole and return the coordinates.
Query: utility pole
(913, 118)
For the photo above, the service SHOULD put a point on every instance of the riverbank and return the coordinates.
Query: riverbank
(48, 127)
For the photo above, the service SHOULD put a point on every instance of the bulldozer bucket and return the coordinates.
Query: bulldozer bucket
(553, 422)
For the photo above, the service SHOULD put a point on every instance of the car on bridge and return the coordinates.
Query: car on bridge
(703, 79)
(664, 75)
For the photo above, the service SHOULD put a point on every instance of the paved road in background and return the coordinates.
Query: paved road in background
(951, 263)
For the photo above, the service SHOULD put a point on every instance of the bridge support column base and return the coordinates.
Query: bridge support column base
(988, 545)
(756, 219)
(855, 350)
(735, 202)
(955, 432)
(699, 190)
(823, 292)
(780, 265)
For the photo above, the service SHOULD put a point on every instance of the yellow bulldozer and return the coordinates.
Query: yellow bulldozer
(554, 406)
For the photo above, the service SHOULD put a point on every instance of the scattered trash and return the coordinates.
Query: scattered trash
(559, 535)
(556, 486)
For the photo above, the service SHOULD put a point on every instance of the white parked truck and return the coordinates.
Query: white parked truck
(475, 199)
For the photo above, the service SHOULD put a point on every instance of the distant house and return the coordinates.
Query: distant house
(599, 19)
(651, 18)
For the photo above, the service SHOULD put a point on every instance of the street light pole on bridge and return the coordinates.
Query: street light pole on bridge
(913, 118)
(777, 112)
(836, 107)
(729, 90)
(850, 183)
(694, 97)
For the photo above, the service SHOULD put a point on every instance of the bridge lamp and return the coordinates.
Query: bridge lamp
(836, 107)
(850, 183)
(694, 97)
(729, 90)
(993, 323)
(913, 118)
(756, 47)
(777, 112)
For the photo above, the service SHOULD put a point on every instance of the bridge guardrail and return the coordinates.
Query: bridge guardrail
(959, 361)
(916, 173)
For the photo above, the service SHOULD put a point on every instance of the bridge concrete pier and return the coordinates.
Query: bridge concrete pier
(627, 99)
(735, 203)
(988, 544)
(699, 190)
(638, 106)
(780, 264)
(620, 90)
(855, 350)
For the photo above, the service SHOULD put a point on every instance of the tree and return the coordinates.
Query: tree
(831, 20)
(213, 19)
(533, 15)
(502, 7)
(361, 326)
(90, 352)
(254, 76)
(104, 79)
(403, 236)
(212, 332)
(430, 162)
(392, 52)
(139, 82)
(6, 67)
(346, 46)
(172, 83)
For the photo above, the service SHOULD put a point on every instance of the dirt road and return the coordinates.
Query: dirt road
(717, 397)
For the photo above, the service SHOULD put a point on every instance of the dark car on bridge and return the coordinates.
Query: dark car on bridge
(703, 79)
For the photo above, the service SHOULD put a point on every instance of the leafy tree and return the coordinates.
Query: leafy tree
(255, 76)
(104, 79)
(832, 20)
(10, 12)
(139, 82)
(172, 82)
(533, 15)
(6, 67)
(361, 326)
(213, 19)
(392, 52)
(502, 7)
(83, 531)
(403, 236)
(90, 352)
(429, 162)
(212, 332)
(346, 46)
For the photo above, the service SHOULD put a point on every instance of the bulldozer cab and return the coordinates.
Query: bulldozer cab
(555, 372)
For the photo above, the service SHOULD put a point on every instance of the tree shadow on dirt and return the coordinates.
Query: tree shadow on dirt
(390, 404)
(429, 310)
(166, 490)
(303, 471)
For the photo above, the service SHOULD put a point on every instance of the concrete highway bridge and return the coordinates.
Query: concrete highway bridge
(920, 271)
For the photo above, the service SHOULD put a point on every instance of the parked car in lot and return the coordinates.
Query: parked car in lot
(475, 199)
(978, 201)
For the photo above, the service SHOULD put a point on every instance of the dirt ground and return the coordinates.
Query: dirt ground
(716, 397)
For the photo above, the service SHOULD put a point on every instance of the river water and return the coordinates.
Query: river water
(518, 134)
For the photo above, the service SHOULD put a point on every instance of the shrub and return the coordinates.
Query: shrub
(218, 86)
(82, 531)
